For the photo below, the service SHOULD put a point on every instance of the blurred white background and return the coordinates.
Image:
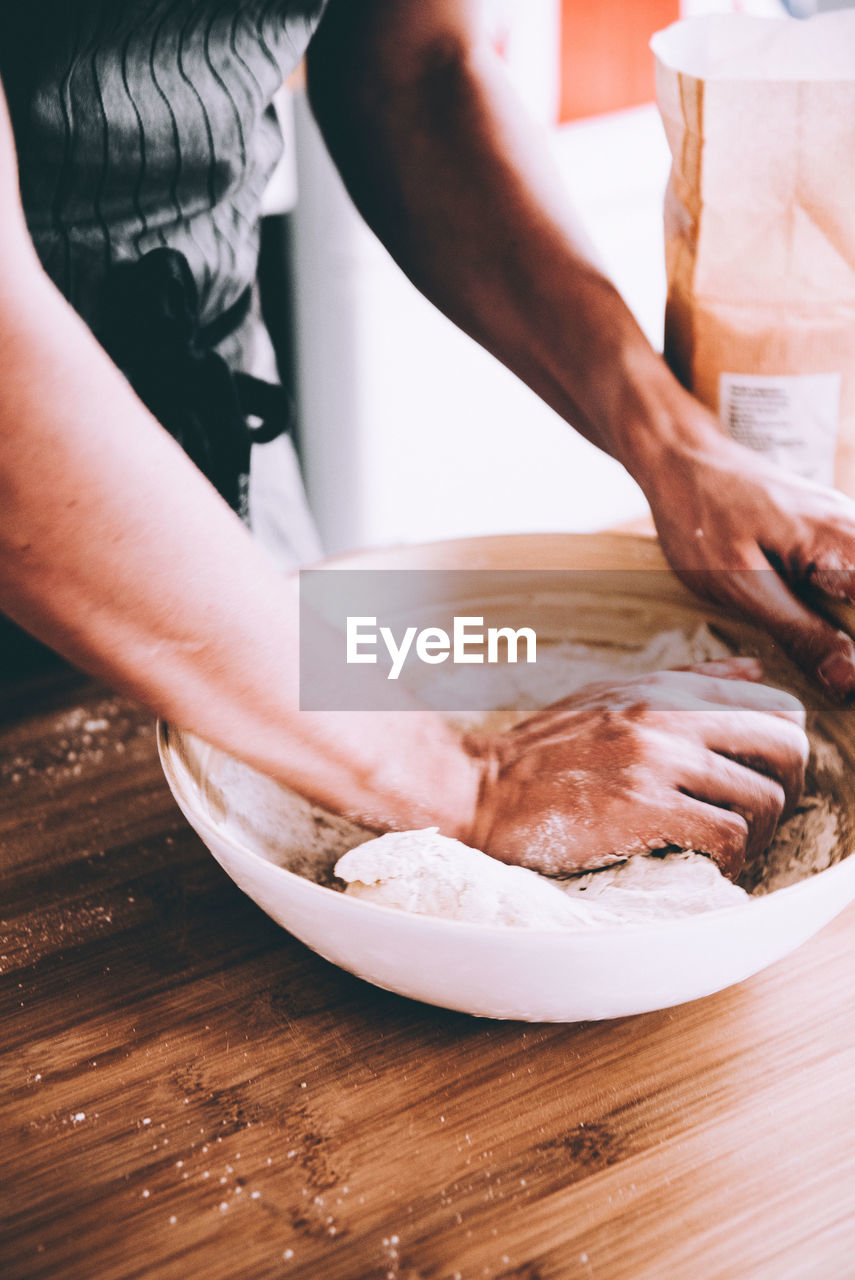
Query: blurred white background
(409, 430)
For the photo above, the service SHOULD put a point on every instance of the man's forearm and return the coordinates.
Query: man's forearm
(115, 550)
(459, 186)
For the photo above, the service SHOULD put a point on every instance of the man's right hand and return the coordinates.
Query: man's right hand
(704, 759)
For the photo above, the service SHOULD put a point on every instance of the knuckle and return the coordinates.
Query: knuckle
(656, 748)
(772, 798)
(793, 705)
(798, 745)
(624, 720)
(734, 829)
(636, 710)
(726, 841)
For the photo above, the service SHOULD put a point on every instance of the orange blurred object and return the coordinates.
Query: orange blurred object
(606, 64)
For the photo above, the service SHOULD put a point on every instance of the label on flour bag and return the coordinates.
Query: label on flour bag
(793, 419)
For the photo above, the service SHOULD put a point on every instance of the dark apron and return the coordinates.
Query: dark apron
(150, 328)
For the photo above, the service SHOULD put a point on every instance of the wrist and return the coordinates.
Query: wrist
(660, 428)
(426, 776)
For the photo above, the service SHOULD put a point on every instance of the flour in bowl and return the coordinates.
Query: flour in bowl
(431, 874)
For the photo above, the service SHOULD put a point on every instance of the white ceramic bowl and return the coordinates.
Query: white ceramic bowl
(534, 975)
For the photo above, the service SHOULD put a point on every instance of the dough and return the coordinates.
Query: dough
(657, 887)
(430, 874)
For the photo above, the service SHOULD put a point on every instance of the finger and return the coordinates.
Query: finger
(689, 823)
(650, 699)
(826, 654)
(733, 692)
(630, 699)
(768, 744)
(717, 780)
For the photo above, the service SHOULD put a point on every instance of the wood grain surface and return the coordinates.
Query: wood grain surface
(188, 1092)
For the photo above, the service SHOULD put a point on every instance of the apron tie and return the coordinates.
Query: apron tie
(151, 330)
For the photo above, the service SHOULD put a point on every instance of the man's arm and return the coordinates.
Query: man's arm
(439, 157)
(115, 550)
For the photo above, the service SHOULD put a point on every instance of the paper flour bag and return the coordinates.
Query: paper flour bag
(760, 230)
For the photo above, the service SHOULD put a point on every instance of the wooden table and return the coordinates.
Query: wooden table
(188, 1092)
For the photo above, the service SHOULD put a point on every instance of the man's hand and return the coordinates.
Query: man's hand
(742, 532)
(680, 758)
